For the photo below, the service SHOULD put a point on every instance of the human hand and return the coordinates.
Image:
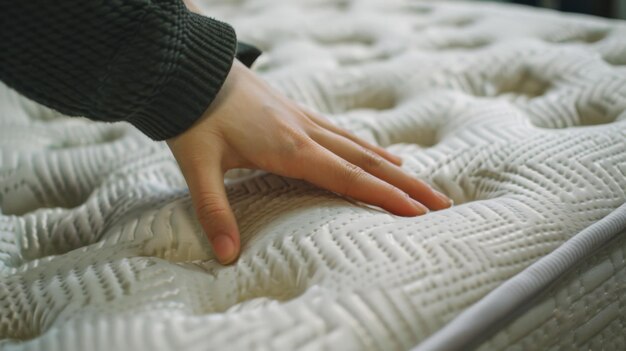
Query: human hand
(250, 125)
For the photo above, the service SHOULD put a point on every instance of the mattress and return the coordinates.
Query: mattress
(518, 114)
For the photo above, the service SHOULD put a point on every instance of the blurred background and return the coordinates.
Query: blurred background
(604, 8)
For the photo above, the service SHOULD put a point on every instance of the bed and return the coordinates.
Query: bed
(518, 114)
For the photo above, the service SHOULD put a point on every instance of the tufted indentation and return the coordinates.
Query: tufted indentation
(104, 136)
(600, 102)
(576, 34)
(50, 180)
(460, 22)
(523, 83)
(417, 8)
(463, 43)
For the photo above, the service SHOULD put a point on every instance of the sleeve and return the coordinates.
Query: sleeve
(152, 63)
(247, 53)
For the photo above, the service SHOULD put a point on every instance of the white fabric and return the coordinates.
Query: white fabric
(584, 311)
(518, 114)
(488, 316)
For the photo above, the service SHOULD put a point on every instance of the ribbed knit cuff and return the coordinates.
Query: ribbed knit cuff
(207, 55)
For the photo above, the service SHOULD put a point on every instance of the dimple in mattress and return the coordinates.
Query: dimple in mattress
(518, 114)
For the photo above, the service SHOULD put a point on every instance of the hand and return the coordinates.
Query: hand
(250, 125)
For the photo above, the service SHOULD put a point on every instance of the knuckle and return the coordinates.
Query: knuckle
(210, 206)
(371, 159)
(393, 190)
(394, 194)
(388, 196)
(348, 134)
(294, 143)
(352, 177)
(291, 161)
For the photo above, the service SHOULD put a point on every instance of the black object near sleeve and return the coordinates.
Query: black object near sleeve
(152, 63)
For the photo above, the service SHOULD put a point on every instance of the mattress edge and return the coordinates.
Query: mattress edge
(486, 316)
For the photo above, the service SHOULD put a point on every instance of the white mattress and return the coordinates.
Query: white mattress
(518, 114)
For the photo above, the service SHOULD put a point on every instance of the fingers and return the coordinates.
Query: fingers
(329, 171)
(374, 164)
(324, 122)
(205, 179)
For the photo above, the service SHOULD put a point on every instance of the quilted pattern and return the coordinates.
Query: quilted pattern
(518, 114)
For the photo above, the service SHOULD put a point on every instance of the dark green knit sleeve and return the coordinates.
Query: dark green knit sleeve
(152, 63)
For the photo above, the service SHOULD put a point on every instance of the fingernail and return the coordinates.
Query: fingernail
(444, 198)
(418, 206)
(224, 248)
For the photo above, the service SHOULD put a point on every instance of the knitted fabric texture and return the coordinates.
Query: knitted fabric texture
(151, 63)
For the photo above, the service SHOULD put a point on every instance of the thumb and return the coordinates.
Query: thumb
(205, 179)
(215, 216)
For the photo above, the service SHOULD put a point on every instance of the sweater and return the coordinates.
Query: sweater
(152, 63)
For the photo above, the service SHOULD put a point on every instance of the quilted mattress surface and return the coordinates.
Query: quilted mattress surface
(518, 114)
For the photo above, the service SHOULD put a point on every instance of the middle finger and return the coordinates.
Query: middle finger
(381, 168)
